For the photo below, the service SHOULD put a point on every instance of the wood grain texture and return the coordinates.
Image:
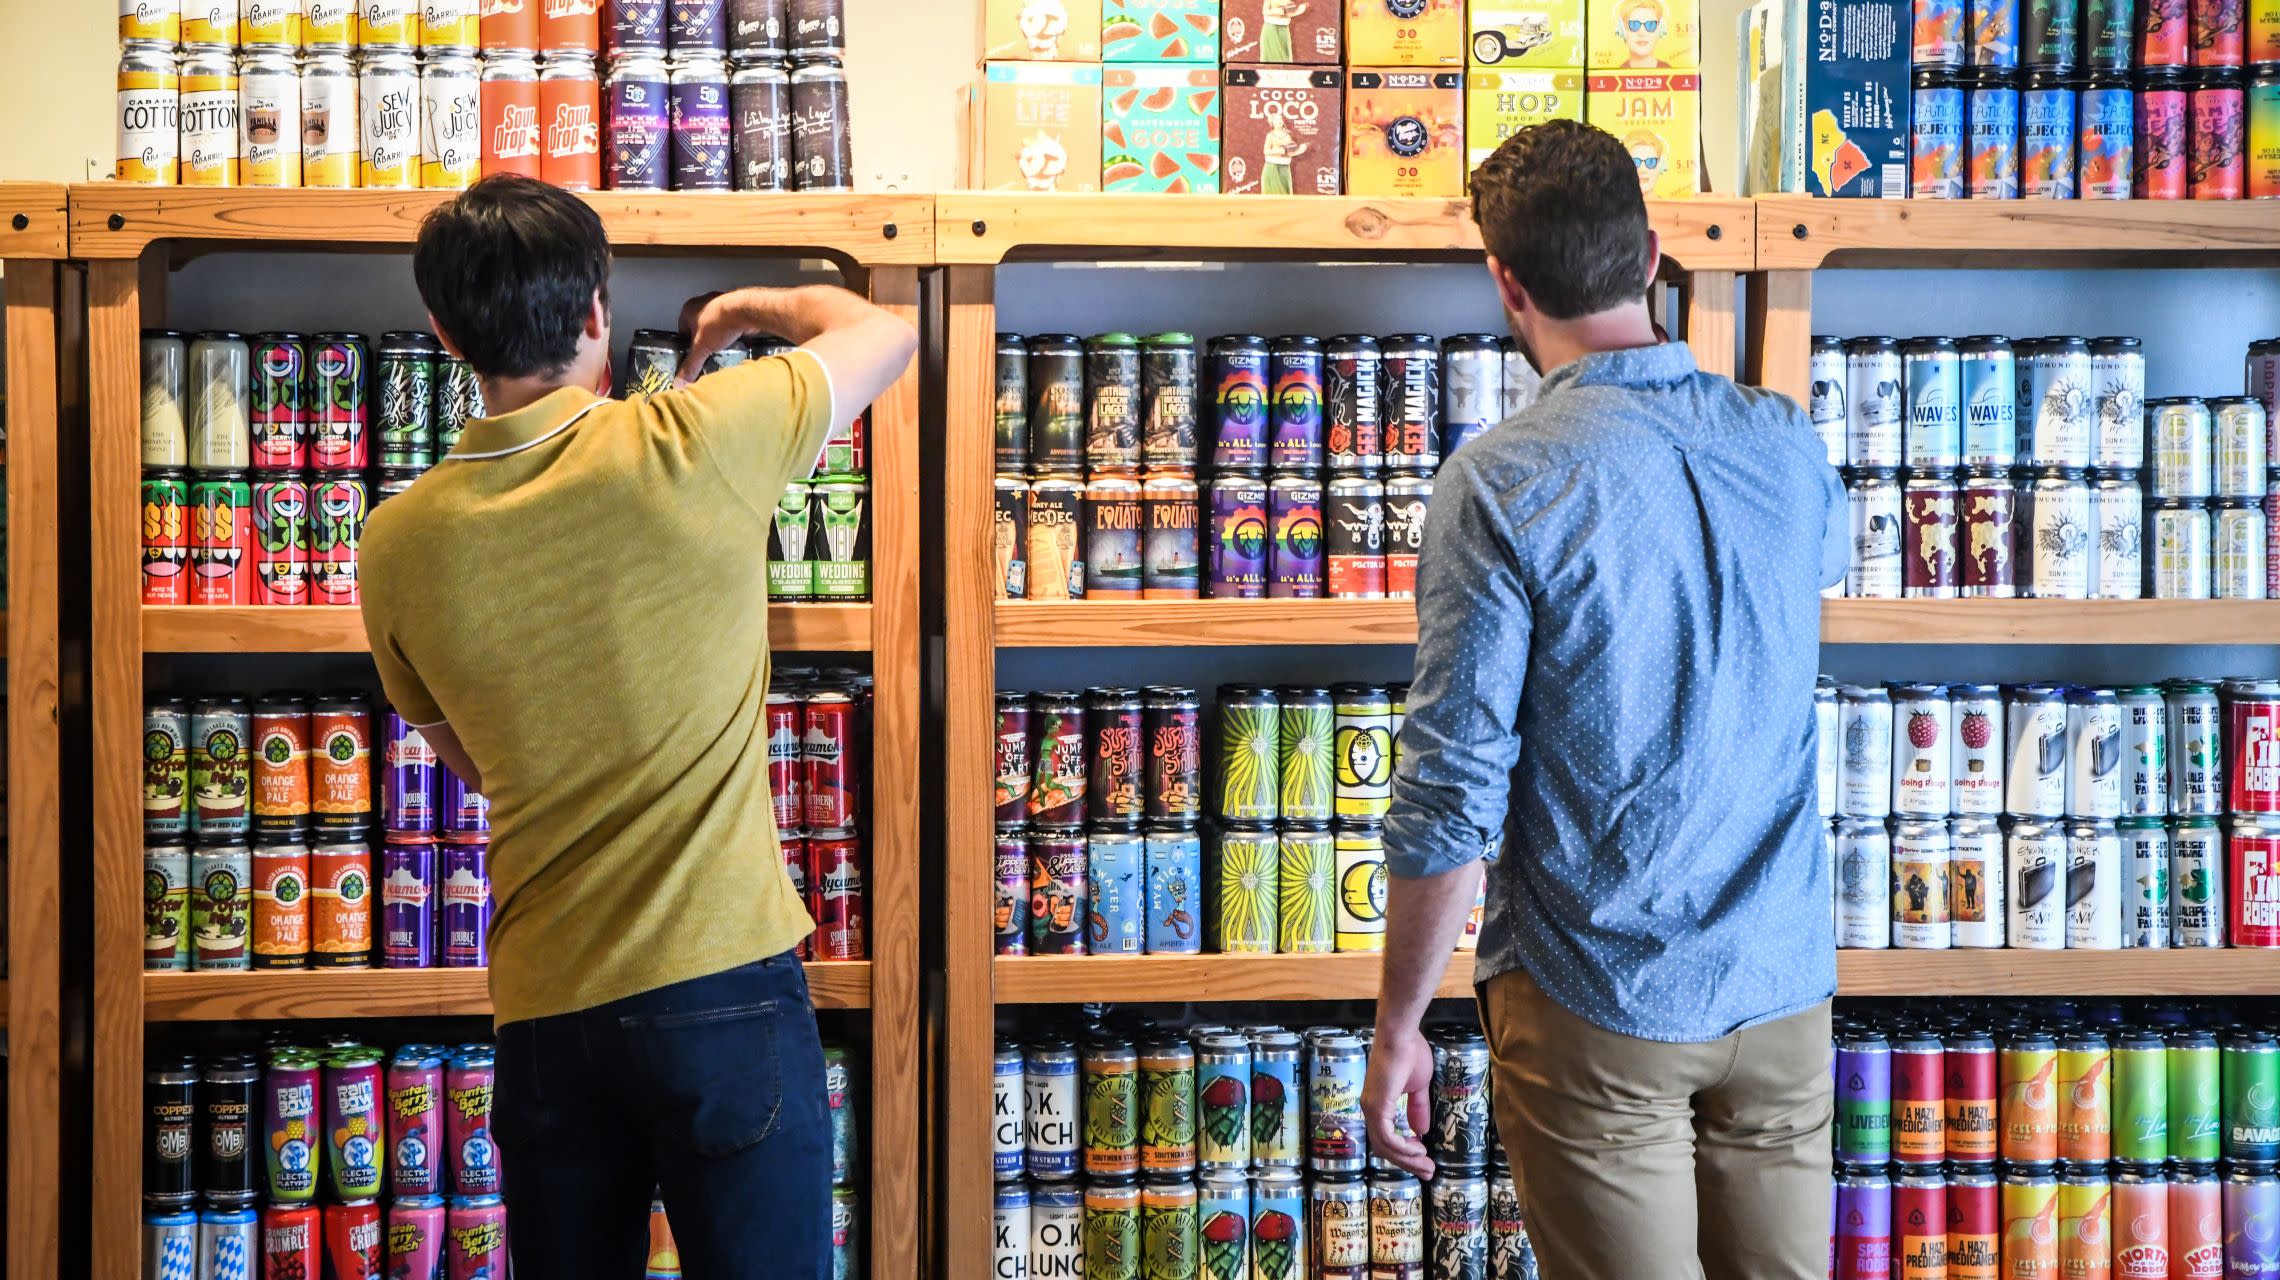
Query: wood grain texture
(1090, 623)
(968, 763)
(44, 210)
(395, 993)
(115, 677)
(1710, 320)
(1779, 342)
(1802, 233)
(893, 885)
(2102, 622)
(852, 228)
(1700, 235)
(35, 818)
(804, 628)
(1204, 978)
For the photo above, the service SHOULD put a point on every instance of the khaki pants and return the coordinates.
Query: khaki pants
(1639, 1160)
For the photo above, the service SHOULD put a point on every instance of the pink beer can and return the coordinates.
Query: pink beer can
(415, 1238)
(475, 1239)
(415, 1123)
(463, 912)
(471, 1155)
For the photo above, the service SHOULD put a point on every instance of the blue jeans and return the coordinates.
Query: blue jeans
(711, 1089)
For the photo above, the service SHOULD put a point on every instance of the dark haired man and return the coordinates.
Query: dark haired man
(1618, 614)
(573, 608)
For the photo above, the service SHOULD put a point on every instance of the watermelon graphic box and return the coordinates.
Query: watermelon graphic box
(1159, 129)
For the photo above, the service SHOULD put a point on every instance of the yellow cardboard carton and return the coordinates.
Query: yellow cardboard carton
(1529, 33)
(1643, 35)
(1041, 126)
(1405, 132)
(1658, 117)
(1499, 104)
(1405, 33)
(1041, 30)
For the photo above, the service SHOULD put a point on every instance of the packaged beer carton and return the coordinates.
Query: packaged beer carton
(1160, 129)
(1041, 30)
(1657, 115)
(1405, 133)
(1159, 31)
(1831, 118)
(1283, 130)
(1643, 35)
(1405, 33)
(1280, 31)
(1040, 127)
(1499, 104)
(1531, 33)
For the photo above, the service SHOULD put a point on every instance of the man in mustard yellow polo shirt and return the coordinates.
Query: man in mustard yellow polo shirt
(573, 607)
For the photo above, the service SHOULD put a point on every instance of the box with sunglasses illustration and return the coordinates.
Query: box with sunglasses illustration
(1643, 35)
(1657, 116)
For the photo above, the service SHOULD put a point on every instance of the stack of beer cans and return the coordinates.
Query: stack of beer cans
(1228, 1151)
(1320, 459)
(819, 771)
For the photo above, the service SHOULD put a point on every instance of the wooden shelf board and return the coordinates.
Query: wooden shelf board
(1208, 978)
(1803, 233)
(45, 210)
(1091, 623)
(392, 993)
(1707, 234)
(867, 229)
(792, 628)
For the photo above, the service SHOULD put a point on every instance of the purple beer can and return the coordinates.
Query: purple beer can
(633, 25)
(470, 1155)
(1240, 538)
(415, 1121)
(1012, 901)
(407, 787)
(1295, 408)
(698, 28)
(640, 127)
(1294, 515)
(2252, 1221)
(458, 810)
(1864, 1223)
(407, 901)
(463, 916)
(700, 125)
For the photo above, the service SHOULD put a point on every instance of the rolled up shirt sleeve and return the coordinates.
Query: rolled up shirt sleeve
(1462, 735)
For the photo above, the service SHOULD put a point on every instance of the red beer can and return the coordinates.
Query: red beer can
(1919, 1223)
(2141, 1225)
(570, 26)
(570, 120)
(510, 25)
(337, 507)
(166, 537)
(2196, 1224)
(292, 1242)
(352, 1240)
(281, 537)
(1968, 1063)
(2253, 850)
(835, 894)
(1974, 1224)
(828, 765)
(1919, 1101)
(786, 775)
(221, 539)
(1928, 505)
(2252, 749)
(795, 848)
(509, 96)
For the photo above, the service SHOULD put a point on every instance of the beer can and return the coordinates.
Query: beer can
(1975, 762)
(1863, 883)
(1406, 499)
(2026, 1067)
(1167, 1107)
(1968, 1064)
(2184, 554)
(1825, 405)
(792, 543)
(281, 899)
(2249, 1066)
(1243, 908)
(165, 392)
(170, 1159)
(698, 103)
(822, 158)
(1864, 770)
(222, 547)
(150, 21)
(1355, 520)
(1862, 1231)
(2196, 1221)
(2184, 448)
(2048, 137)
(1056, 1230)
(277, 408)
(2238, 446)
(2216, 146)
(2117, 380)
(1250, 736)
(1278, 1130)
(2107, 111)
(1360, 851)
(1928, 504)
(1863, 1124)
(149, 106)
(331, 124)
(1472, 388)
(405, 369)
(1919, 1221)
(1167, 402)
(2037, 854)
(451, 106)
(1010, 905)
(1012, 402)
(1240, 541)
(2055, 535)
(2252, 863)
(219, 378)
(2093, 885)
(571, 119)
(1987, 504)
(1056, 406)
(1920, 871)
(337, 508)
(2197, 883)
(2196, 748)
(1294, 512)
(292, 1240)
(2146, 906)
(1237, 370)
(390, 104)
(1307, 877)
(1171, 558)
(1874, 390)
(2252, 743)
(1113, 542)
(1921, 751)
(2085, 1099)
(1987, 390)
(1172, 755)
(1933, 376)
(2085, 1221)
(269, 120)
(1109, 1102)
(2055, 403)
(279, 738)
(1874, 505)
(760, 112)
(1008, 1116)
(166, 566)
(166, 903)
(341, 900)
(1411, 402)
(1975, 882)
(1053, 552)
(407, 900)
(221, 905)
(2093, 753)
(1458, 1139)
(1294, 405)
(1306, 754)
(509, 129)
(1991, 121)
(1363, 755)
(471, 1164)
(639, 128)
(1974, 1223)
(1057, 901)
(2236, 549)
(1337, 1139)
(1353, 376)
(220, 775)
(2117, 515)
(209, 142)
(1175, 888)
(1223, 1103)
(2141, 1098)
(842, 523)
(229, 1240)
(2196, 1097)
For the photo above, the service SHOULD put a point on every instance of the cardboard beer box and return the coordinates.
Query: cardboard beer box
(1405, 132)
(1279, 31)
(1282, 132)
(1499, 104)
(1531, 33)
(1405, 33)
(1831, 117)
(1159, 31)
(1160, 129)
(1643, 35)
(1041, 30)
(1657, 116)
(1040, 126)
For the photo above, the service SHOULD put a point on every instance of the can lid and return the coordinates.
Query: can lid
(1871, 342)
(1112, 340)
(1936, 78)
(1171, 338)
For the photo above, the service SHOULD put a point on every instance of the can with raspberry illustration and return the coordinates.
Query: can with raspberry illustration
(1975, 775)
(1921, 763)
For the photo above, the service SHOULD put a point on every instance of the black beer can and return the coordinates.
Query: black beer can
(822, 159)
(1056, 404)
(405, 419)
(652, 362)
(1412, 403)
(170, 1121)
(1112, 403)
(229, 1119)
(1116, 759)
(1167, 402)
(1171, 721)
(458, 401)
(1012, 404)
(1353, 378)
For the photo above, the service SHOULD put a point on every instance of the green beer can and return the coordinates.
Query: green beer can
(1167, 1108)
(1111, 1103)
(1243, 914)
(1168, 1229)
(1309, 731)
(1112, 1229)
(1308, 922)
(2141, 1098)
(2251, 1116)
(792, 544)
(221, 907)
(166, 904)
(1223, 1225)
(841, 521)
(2194, 1130)
(1250, 742)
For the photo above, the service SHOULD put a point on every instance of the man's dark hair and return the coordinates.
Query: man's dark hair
(508, 269)
(1559, 205)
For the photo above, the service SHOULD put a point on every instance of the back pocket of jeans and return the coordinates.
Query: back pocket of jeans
(714, 1077)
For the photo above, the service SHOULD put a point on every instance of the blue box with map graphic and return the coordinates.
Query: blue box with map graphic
(1836, 124)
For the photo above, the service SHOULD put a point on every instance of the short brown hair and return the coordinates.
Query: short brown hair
(1559, 205)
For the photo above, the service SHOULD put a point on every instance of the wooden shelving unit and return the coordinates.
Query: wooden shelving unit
(131, 236)
(45, 349)
(1703, 243)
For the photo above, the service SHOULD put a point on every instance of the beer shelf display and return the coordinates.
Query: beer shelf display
(45, 347)
(131, 235)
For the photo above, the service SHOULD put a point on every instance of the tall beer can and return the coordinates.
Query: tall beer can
(2093, 753)
(330, 24)
(1864, 770)
(1920, 870)
(1933, 378)
(389, 103)
(822, 159)
(1989, 387)
(1975, 882)
(149, 113)
(152, 21)
(219, 382)
(331, 127)
(1873, 400)
(2196, 883)
(510, 129)
(451, 111)
(2093, 885)
(2145, 885)
(269, 120)
(570, 123)
(2145, 751)
(2117, 388)
(2117, 526)
(2036, 855)
(1826, 406)
(209, 144)
(1864, 871)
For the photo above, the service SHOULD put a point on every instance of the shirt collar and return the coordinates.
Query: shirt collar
(1657, 365)
(529, 425)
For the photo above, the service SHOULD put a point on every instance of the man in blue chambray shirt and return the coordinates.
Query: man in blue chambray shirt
(1619, 617)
